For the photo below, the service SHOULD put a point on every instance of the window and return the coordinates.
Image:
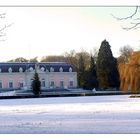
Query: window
(51, 69)
(21, 84)
(70, 69)
(61, 69)
(20, 69)
(10, 84)
(31, 69)
(71, 83)
(42, 69)
(0, 84)
(61, 84)
(43, 83)
(52, 84)
(10, 69)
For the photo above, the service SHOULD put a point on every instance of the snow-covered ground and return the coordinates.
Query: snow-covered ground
(89, 114)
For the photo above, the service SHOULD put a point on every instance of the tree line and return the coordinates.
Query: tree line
(98, 69)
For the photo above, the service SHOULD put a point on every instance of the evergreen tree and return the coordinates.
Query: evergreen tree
(91, 79)
(81, 72)
(107, 73)
(36, 84)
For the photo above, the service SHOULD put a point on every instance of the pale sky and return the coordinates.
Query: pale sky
(41, 31)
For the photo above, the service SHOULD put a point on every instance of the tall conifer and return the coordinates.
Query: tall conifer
(107, 73)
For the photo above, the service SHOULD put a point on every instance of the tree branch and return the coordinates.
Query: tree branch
(2, 29)
(128, 17)
(135, 26)
(137, 19)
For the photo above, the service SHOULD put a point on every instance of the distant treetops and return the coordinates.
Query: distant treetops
(130, 73)
(100, 69)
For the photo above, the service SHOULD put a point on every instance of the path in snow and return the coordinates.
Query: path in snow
(93, 114)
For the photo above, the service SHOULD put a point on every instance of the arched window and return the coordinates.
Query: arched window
(51, 69)
(31, 69)
(10, 69)
(42, 69)
(70, 69)
(61, 69)
(20, 69)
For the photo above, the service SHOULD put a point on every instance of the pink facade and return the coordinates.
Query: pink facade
(15, 78)
(49, 79)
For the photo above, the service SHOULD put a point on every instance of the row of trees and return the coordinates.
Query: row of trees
(98, 69)
(94, 70)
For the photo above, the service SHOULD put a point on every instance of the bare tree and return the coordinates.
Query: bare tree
(94, 53)
(134, 19)
(3, 28)
(125, 53)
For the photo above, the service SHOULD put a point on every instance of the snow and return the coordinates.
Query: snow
(72, 115)
(8, 93)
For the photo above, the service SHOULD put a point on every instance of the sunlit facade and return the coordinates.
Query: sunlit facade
(51, 75)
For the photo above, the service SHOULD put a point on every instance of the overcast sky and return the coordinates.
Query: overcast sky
(41, 31)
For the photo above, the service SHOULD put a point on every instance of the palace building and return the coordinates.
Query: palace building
(52, 75)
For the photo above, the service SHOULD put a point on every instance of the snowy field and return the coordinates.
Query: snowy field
(71, 115)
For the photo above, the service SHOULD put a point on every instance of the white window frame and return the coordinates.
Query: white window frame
(60, 69)
(21, 82)
(70, 69)
(63, 84)
(43, 85)
(42, 69)
(51, 82)
(70, 83)
(51, 69)
(10, 70)
(1, 84)
(20, 69)
(11, 81)
(31, 69)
